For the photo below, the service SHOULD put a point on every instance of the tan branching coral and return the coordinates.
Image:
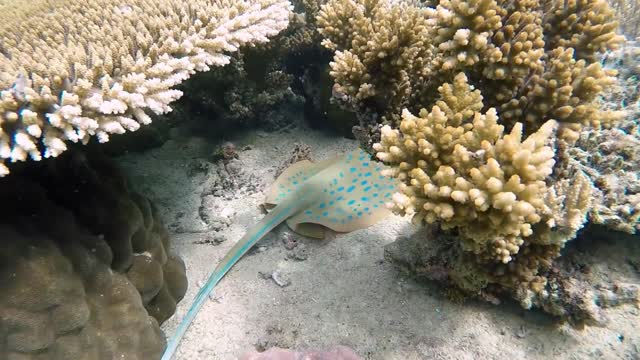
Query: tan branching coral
(566, 91)
(73, 70)
(588, 26)
(512, 51)
(382, 52)
(461, 170)
(464, 30)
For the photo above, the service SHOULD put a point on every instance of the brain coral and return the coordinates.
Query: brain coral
(84, 265)
(71, 70)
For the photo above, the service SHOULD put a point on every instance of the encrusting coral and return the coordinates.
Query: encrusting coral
(73, 70)
(533, 60)
(86, 269)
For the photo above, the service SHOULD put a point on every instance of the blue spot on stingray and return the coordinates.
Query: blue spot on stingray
(390, 186)
(350, 217)
(341, 174)
(339, 198)
(381, 177)
(295, 183)
(365, 164)
(322, 206)
(366, 189)
(380, 202)
(340, 188)
(359, 213)
(351, 202)
(308, 212)
(359, 174)
(376, 186)
(351, 188)
(288, 190)
(364, 198)
(354, 180)
(326, 213)
(331, 202)
(335, 181)
(332, 192)
(353, 169)
(387, 195)
(361, 158)
(366, 209)
(375, 195)
(375, 206)
(367, 174)
(364, 182)
(317, 217)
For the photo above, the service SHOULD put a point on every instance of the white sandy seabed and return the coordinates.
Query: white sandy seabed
(340, 290)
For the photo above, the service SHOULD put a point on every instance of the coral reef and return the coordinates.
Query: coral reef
(609, 157)
(246, 92)
(86, 268)
(70, 71)
(595, 273)
(536, 59)
(493, 190)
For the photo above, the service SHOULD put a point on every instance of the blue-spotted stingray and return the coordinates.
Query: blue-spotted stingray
(343, 194)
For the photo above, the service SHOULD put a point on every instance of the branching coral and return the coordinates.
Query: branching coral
(512, 51)
(461, 171)
(72, 70)
(382, 52)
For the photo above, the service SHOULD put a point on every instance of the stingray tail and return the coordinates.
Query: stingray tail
(279, 214)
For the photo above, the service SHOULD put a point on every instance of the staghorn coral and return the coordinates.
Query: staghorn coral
(510, 50)
(462, 172)
(69, 71)
(85, 265)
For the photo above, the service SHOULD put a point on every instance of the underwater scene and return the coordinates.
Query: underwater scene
(319, 179)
